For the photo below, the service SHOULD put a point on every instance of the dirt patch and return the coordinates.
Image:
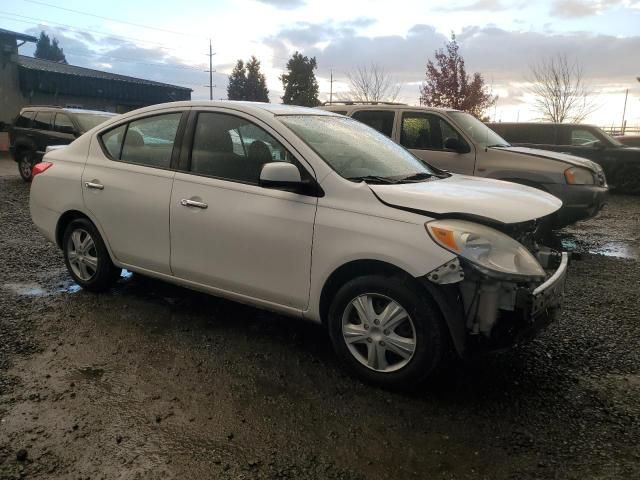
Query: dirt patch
(155, 381)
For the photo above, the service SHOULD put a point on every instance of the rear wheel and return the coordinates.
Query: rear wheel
(388, 331)
(87, 258)
(26, 160)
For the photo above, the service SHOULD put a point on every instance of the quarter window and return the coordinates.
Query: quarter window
(232, 148)
(148, 141)
(42, 121)
(381, 120)
(24, 120)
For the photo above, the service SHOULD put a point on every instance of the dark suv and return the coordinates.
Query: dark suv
(37, 128)
(621, 163)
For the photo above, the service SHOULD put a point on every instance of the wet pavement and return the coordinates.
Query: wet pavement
(155, 381)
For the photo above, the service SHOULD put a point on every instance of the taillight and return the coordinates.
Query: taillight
(39, 168)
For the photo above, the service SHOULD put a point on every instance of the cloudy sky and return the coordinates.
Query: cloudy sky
(501, 39)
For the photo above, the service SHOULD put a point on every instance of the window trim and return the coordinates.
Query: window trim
(187, 150)
(177, 143)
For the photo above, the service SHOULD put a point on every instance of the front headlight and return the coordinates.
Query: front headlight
(489, 250)
(578, 176)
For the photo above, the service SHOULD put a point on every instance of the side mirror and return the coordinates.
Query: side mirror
(598, 145)
(452, 143)
(282, 175)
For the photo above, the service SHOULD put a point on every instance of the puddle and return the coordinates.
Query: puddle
(26, 289)
(617, 249)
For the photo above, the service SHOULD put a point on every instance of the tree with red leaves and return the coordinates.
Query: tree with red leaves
(448, 85)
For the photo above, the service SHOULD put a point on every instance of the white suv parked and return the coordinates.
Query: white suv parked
(310, 214)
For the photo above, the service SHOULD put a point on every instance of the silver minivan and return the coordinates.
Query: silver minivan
(458, 142)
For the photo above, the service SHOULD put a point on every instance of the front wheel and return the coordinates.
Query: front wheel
(87, 258)
(388, 331)
(26, 161)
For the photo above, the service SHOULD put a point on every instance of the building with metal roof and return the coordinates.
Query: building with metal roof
(33, 81)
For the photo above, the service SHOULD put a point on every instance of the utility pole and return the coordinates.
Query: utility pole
(624, 111)
(331, 89)
(211, 70)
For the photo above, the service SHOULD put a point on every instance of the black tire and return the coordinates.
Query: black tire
(96, 278)
(26, 161)
(431, 336)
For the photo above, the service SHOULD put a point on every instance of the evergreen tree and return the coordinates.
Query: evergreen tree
(256, 86)
(237, 82)
(49, 50)
(299, 83)
(448, 85)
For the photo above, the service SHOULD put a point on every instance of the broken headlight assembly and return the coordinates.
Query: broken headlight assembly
(491, 252)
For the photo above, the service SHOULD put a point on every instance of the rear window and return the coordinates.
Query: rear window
(381, 120)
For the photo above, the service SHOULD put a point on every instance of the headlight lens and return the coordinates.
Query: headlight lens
(488, 249)
(578, 176)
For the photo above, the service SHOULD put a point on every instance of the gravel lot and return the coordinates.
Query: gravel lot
(154, 381)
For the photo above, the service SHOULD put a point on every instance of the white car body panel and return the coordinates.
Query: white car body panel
(505, 202)
(269, 248)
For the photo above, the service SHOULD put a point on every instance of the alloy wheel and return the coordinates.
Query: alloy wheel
(379, 332)
(82, 254)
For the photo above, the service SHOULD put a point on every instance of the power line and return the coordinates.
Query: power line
(78, 30)
(110, 19)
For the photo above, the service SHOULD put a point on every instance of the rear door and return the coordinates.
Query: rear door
(424, 134)
(41, 130)
(63, 132)
(127, 184)
(381, 120)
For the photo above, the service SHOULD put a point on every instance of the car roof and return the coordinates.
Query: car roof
(54, 108)
(243, 106)
(348, 107)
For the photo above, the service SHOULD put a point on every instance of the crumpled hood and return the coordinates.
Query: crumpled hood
(563, 157)
(500, 201)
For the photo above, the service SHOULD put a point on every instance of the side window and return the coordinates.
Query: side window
(381, 120)
(416, 131)
(582, 137)
(425, 131)
(232, 148)
(63, 124)
(112, 141)
(149, 141)
(24, 119)
(42, 121)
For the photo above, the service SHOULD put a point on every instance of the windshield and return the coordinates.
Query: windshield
(481, 134)
(354, 150)
(89, 120)
(612, 141)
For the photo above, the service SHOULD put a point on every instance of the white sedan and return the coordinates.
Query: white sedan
(310, 214)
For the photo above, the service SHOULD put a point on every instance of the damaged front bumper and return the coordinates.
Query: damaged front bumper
(498, 313)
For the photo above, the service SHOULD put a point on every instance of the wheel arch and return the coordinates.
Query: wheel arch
(65, 219)
(349, 271)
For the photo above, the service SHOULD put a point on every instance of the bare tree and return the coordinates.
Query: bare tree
(560, 90)
(372, 84)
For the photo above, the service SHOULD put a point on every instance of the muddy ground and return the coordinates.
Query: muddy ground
(154, 381)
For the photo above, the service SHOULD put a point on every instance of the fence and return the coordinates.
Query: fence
(616, 130)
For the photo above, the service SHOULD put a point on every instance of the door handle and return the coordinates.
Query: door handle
(192, 203)
(95, 186)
